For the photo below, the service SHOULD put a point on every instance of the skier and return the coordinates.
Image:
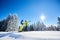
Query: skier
(26, 24)
(21, 26)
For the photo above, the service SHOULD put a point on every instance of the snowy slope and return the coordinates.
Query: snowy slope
(33, 35)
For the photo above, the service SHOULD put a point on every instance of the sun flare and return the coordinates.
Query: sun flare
(42, 17)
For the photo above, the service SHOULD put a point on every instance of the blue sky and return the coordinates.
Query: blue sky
(31, 10)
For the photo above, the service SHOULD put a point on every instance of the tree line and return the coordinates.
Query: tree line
(38, 26)
(11, 24)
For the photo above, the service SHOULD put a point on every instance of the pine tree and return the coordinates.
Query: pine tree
(3, 25)
(58, 26)
(40, 26)
(31, 28)
(51, 28)
(12, 23)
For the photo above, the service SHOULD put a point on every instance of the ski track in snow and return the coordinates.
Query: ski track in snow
(32, 35)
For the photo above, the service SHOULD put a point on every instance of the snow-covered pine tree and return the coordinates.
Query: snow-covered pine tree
(34, 27)
(31, 28)
(58, 26)
(51, 28)
(40, 26)
(3, 25)
(12, 24)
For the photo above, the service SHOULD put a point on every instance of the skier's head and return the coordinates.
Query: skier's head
(22, 22)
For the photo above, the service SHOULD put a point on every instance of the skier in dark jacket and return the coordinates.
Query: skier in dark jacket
(21, 26)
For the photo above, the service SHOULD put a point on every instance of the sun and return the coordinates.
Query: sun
(42, 17)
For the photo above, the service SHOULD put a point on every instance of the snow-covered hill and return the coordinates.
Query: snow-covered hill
(33, 35)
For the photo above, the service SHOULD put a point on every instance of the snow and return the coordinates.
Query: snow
(32, 35)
